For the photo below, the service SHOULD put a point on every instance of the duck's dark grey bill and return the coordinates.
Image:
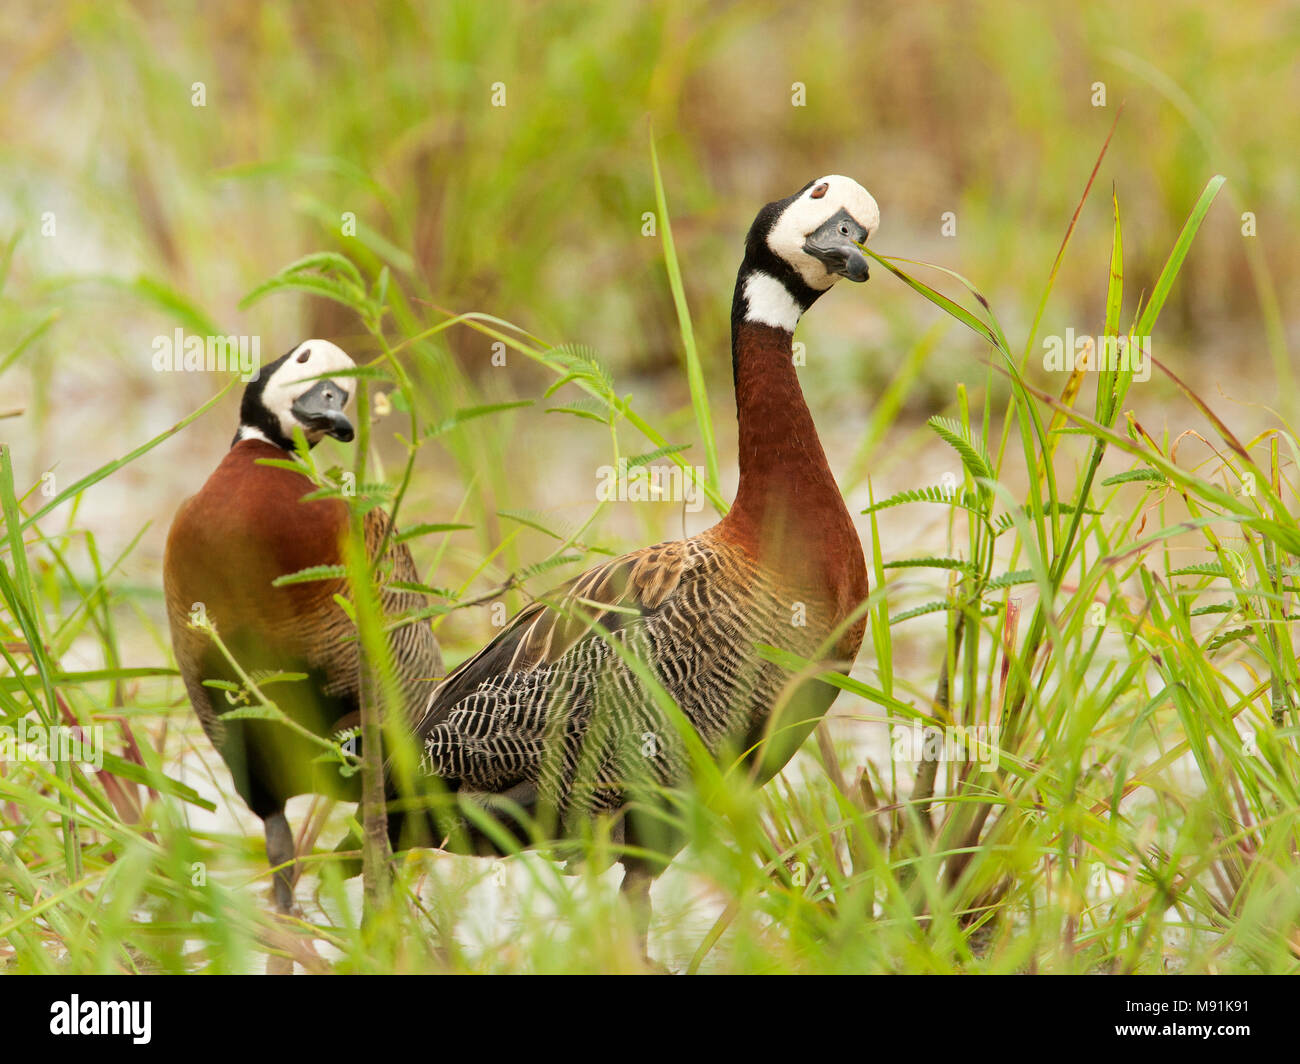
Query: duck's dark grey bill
(320, 409)
(835, 245)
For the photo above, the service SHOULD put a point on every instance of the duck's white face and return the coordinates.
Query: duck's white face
(300, 392)
(817, 230)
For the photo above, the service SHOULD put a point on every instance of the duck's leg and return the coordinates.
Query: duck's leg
(637, 881)
(280, 851)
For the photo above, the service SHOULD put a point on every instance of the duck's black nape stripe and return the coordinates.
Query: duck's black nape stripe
(759, 258)
(253, 413)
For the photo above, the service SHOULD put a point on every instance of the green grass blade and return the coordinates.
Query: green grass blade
(694, 372)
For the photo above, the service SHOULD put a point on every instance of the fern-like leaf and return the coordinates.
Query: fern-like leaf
(934, 493)
(1153, 476)
(973, 455)
(930, 563)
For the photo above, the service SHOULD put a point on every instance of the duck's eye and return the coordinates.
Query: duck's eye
(305, 355)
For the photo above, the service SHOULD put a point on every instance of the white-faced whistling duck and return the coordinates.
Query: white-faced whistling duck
(550, 714)
(247, 526)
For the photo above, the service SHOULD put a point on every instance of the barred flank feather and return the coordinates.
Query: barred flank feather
(553, 710)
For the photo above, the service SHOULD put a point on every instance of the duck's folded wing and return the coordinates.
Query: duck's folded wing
(601, 600)
(415, 650)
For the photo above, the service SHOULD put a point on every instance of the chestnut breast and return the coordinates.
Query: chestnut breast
(246, 527)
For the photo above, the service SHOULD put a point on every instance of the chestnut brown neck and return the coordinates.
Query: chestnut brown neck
(788, 500)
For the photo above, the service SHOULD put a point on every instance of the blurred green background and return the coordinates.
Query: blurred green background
(534, 210)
